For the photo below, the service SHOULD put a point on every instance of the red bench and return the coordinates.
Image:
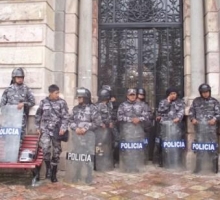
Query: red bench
(29, 142)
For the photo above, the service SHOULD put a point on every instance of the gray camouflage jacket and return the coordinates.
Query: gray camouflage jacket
(204, 109)
(47, 119)
(15, 94)
(105, 112)
(85, 116)
(171, 110)
(150, 116)
(128, 110)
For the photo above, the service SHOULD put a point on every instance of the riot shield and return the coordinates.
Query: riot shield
(173, 145)
(205, 147)
(103, 150)
(80, 158)
(132, 148)
(10, 133)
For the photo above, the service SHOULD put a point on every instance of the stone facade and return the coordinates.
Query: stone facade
(211, 58)
(43, 37)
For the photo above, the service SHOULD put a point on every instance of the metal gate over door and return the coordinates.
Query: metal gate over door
(140, 45)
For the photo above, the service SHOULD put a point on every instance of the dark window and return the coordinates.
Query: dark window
(140, 45)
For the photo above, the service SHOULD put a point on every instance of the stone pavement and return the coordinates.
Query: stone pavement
(155, 183)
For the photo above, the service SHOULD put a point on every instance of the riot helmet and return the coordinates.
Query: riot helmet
(204, 88)
(107, 87)
(85, 93)
(141, 91)
(89, 96)
(27, 156)
(104, 95)
(17, 72)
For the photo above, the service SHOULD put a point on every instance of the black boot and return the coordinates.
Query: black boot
(48, 169)
(54, 174)
(215, 165)
(198, 166)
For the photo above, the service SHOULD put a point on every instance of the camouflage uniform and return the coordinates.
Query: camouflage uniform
(104, 153)
(170, 131)
(115, 106)
(105, 112)
(115, 130)
(129, 110)
(148, 123)
(131, 133)
(15, 94)
(46, 120)
(204, 110)
(171, 110)
(85, 116)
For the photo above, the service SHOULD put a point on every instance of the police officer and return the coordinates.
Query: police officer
(52, 111)
(205, 110)
(131, 110)
(104, 156)
(85, 115)
(19, 94)
(85, 119)
(131, 116)
(141, 96)
(113, 106)
(109, 89)
(103, 108)
(170, 109)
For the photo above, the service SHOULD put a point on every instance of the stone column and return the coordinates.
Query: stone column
(70, 63)
(187, 56)
(212, 46)
(71, 50)
(85, 44)
(197, 46)
(59, 40)
(95, 50)
(194, 65)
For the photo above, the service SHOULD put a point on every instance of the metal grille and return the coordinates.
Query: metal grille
(130, 56)
(137, 11)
